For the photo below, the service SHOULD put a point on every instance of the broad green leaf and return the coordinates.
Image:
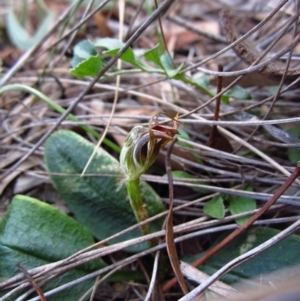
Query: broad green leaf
(99, 202)
(240, 204)
(293, 152)
(282, 255)
(86, 60)
(114, 45)
(215, 207)
(19, 36)
(34, 233)
(239, 92)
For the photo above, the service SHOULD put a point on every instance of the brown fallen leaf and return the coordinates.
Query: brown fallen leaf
(102, 25)
(247, 51)
(177, 36)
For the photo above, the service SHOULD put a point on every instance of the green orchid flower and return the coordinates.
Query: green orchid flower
(138, 153)
(140, 150)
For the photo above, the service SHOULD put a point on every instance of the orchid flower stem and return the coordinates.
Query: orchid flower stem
(138, 207)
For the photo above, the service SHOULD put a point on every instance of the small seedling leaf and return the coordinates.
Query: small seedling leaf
(153, 56)
(201, 83)
(86, 60)
(163, 61)
(215, 207)
(99, 202)
(203, 80)
(293, 152)
(34, 233)
(113, 46)
(240, 204)
(239, 92)
(167, 64)
(180, 174)
(183, 134)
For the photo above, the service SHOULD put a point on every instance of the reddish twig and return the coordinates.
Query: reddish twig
(32, 282)
(217, 140)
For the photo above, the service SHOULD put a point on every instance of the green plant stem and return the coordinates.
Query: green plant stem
(59, 109)
(192, 82)
(138, 207)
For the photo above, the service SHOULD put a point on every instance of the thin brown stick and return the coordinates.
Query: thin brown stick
(243, 227)
(171, 248)
(162, 34)
(32, 282)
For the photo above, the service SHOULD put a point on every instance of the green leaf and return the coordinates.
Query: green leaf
(239, 92)
(184, 134)
(86, 60)
(100, 203)
(153, 56)
(240, 204)
(215, 207)
(293, 152)
(167, 64)
(34, 233)
(203, 80)
(113, 46)
(180, 174)
(294, 155)
(282, 255)
(201, 84)
(19, 36)
(163, 61)
(225, 99)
